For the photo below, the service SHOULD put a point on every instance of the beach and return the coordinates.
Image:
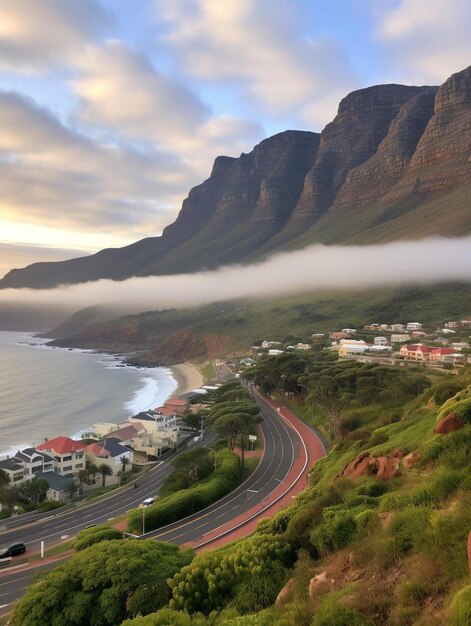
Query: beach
(187, 376)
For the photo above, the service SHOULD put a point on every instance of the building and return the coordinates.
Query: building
(396, 338)
(69, 455)
(351, 347)
(275, 352)
(270, 344)
(418, 334)
(460, 345)
(380, 341)
(177, 406)
(160, 420)
(350, 331)
(448, 331)
(339, 335)
(397, 328)
(302, 346)
(110, 452)
(127, 433)
(414, 326)
(380, 348)
(416, 352)
(438, 355)
(59, 486)
(14, 470)
(34, 462)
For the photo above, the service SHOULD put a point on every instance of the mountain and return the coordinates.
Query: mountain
(393, 164)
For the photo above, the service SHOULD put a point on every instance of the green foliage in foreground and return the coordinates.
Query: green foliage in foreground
(187, 501)
(95, 586)
(90, 536)
(248, 574)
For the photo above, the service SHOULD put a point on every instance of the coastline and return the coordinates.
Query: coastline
(187, 376)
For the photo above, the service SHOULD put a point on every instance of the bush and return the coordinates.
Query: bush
(188, 501)
(445, 391)
(409, 528)
(460, 609)
(334, 614)
(335, 531)
(260, 591)
(439, 487)
(90, 536)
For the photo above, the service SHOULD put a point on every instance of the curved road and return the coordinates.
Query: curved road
(267, 484)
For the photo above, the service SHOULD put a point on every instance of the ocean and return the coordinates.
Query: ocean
(46, 392)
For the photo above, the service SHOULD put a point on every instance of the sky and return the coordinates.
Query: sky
(111, 111)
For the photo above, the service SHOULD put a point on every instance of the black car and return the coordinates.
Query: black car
(13, 550)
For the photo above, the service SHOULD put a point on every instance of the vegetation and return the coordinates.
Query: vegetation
(90, 536)
(97, 585)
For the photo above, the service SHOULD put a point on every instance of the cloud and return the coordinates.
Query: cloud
(37, 33)
(427, 41)
(17, 255)
(313, 268)
(260, 48)
(54, 175)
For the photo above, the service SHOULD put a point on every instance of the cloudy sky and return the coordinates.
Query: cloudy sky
(110, 111)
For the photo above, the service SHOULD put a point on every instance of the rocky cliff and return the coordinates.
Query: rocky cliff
(394, 163)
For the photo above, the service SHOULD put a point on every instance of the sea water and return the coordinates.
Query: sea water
(46, 392)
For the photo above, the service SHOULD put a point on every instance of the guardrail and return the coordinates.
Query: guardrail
(5, 562)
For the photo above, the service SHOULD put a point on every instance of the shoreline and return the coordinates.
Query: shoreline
(187, 376)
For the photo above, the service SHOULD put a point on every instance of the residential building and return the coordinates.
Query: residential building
(415, 352)
(437, 355)
(110, 452)
(371, 327)
(350, 331)
(178, 406)
(448, 331)
(380, 341)
(14, 470)
(128, 433)
(380, 348)
(460, 345)
(417, 334)
(414, 326)
(397, 338)
(339, 335)
(270, 344)
(275, 352)
(69, 455)
(34, 461)
(398, 328)
(302, 346)
(59, 486)
(351, 347)
(162, 419)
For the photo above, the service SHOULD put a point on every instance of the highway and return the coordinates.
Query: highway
(270, 481)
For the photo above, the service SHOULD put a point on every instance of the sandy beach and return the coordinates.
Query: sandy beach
(188, 377)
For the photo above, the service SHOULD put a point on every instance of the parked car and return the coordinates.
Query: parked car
(13, 550)
(148, 501)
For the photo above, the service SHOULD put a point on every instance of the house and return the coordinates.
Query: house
(318, 335)
(69, 455)
(270, 344)
(103, 428)
(380, 341)
(380, 348)
(161, 419)
(397, 328)
(438, 355)
(127, 433)
(178, 406)
(59, 486)
(34, 461)
(371, 327)
(14, 470)
(414, 326)
(110, 452)
(351, 347)
(339, 335)
(275, 352)
(460, 345)
(415, 352)
(448, 331)
(302, 346)
(417, 334)
(350, 331)
(396, 338)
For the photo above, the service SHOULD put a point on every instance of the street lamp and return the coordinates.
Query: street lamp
(143, 520)
(278, 480)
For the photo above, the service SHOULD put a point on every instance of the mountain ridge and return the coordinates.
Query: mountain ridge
(393, 164)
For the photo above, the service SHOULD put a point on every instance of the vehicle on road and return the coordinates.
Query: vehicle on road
(148, 501)
(13, 550)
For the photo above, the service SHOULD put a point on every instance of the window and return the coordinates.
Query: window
(67, 469)
(66, 458)
(79, 455)
(78, 465)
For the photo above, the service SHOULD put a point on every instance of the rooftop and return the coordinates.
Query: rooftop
(62, 445)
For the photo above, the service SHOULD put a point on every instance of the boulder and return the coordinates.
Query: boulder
(448, 424)
(284, 592)
(320, 583)
(383, 467)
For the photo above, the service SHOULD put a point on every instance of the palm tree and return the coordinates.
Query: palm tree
(124, 462)
(104, 470)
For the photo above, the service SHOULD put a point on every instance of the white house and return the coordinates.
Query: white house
(69, 455)
(270, 344)
(302, 346)
(275, 352)
(396, 338)
(350, 331)
(34, 461)
(397, 328)
(414, 326)
(351, 347)
(380, 341)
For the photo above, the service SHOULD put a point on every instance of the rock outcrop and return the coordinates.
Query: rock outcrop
(448, 424)
(394, 163)
(382, 467)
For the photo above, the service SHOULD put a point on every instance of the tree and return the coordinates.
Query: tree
(94, 586)
(4, 479)
(124, 462)
(34, 491)
(104, 470)
(82, 477)
(327, 395)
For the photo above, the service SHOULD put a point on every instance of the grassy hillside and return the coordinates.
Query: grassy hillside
(221, 328)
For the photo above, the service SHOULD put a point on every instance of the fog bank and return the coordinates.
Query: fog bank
(313, 268)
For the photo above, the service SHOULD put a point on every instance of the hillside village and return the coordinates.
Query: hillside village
(394, 344)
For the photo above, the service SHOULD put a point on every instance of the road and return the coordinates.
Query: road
(274, 477)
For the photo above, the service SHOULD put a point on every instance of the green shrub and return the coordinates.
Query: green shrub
(372, 487)
(258, 592)
(409, 528)
(334, 614)
(90, 536)
(460, 609)
(335, 531)
(445, 391)
(439, 487)
(188, 501)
